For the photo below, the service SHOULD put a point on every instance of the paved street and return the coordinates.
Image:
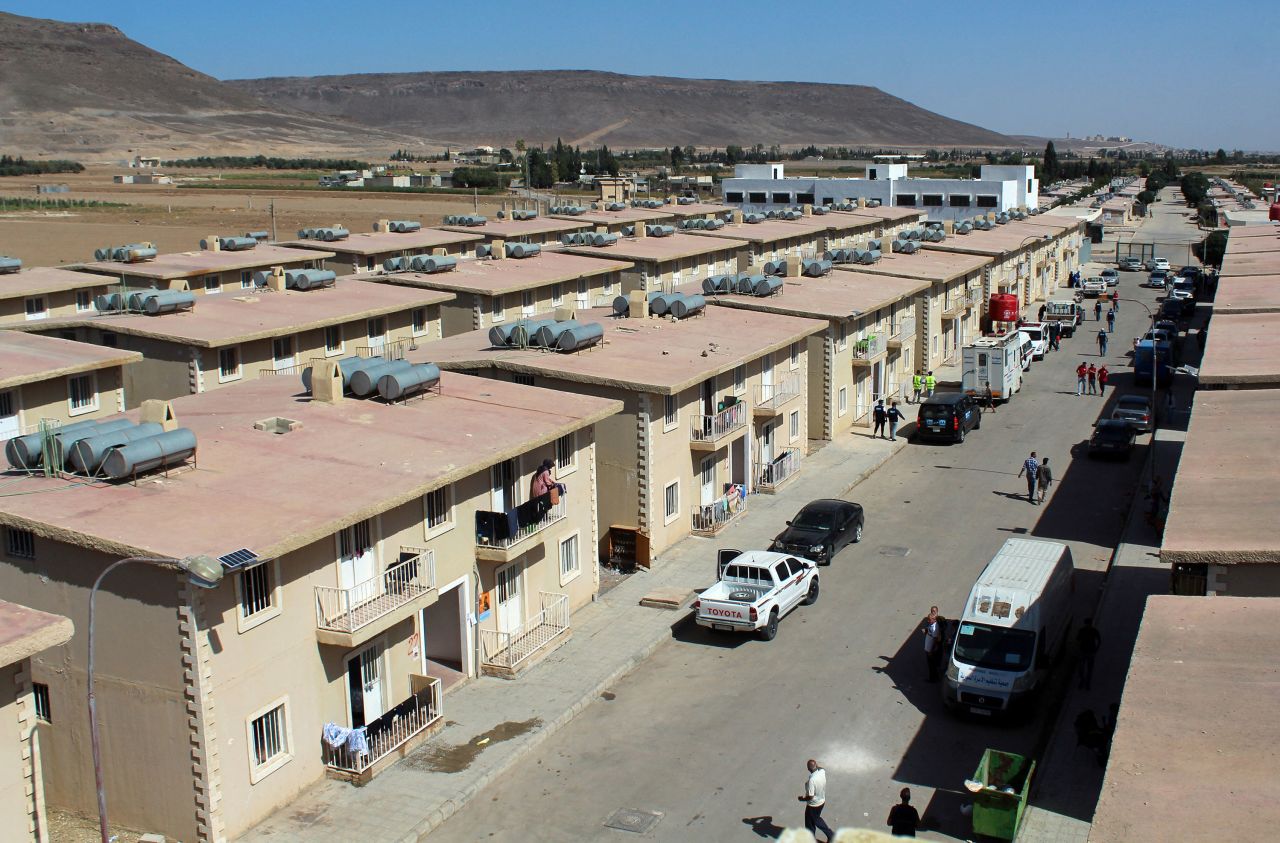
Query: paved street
(713, 730)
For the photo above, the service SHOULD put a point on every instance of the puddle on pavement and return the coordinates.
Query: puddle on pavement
(457, 757)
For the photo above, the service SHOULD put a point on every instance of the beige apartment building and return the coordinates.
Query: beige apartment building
(24, 717)
(46, 292)
(1029, 258)
(614, 222)
(661, 264)
(367, 251)
(375, 555)
(498, 289)
(48, 378)
(890, 222)
(229, 339)
(949, 312)
(785, 240)
(206, 271)
(866, 353)
(539, 230)
(714, 409)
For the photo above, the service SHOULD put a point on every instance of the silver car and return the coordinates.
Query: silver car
(1136, 410)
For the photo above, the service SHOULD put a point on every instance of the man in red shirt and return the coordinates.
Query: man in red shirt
(1093, 379)
(1081, 372)
(1103, 374)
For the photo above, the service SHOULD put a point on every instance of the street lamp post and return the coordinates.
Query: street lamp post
(1155, 370)
(203, 571)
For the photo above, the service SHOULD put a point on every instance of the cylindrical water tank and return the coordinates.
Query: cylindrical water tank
(816, 268)
(687, 305)
(397, 384)
(258, 235)
(347, 366)
(548, 334)
(107, 302)
(767, 286)
(23, 452)
(405, 226)
(1003, 307)
(522, 250)
(86, 455)
(143, 455)
(500, 335)
(309, 279)
(621, 306)
(660, 304)
(168, 301)
(870, 256)
(525, 331)
(603, 239)
(746, 284)
(236, 244)
(778, 267)
(364, 381)
(333, 233)
(717, 284)
(580, 336)
(138, 300)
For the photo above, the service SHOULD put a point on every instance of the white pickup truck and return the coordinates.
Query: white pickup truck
(755, 590)
(1094, 286)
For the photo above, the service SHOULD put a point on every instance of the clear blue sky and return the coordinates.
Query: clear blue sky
(1199, 74)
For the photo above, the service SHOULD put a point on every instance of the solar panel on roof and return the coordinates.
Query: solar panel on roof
(238, 559)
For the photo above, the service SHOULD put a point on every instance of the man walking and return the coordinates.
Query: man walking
(903, 819)
(930, 383)
(1103, 377)
(1111, 319)
(880, 418)
(1081, 372)
(895, 416)
(1102, 343)
(1030, 467)
(1097, 310)
(1055, 335)
(1089, 641)
(815, 799)
(1044, 479)
(934, 628)
(1092, 373)
(988, 399)
(917, 383)
(1041, 319)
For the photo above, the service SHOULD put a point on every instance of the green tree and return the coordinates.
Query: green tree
(1220, 156)
(1049, 169)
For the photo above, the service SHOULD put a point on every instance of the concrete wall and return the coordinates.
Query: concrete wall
(658, 276)
(60, 303)
(1245, 580)
(473, 311)
(50, 399)
(17, 722)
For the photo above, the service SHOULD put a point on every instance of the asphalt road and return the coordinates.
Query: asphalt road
(713, 731)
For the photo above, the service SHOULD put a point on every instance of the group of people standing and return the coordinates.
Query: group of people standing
(1095, 377)
(922, 383)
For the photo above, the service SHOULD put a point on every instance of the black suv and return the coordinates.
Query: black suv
(948, 416)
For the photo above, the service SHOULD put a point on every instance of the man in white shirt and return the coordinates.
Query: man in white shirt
(814, 799)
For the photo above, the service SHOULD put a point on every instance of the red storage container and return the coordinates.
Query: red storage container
(1003, 307)
(1274, 213)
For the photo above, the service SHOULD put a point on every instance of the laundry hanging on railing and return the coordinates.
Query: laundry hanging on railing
(339, 736)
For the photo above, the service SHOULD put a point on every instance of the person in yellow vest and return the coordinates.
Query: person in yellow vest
(917, 383)
(930, 383)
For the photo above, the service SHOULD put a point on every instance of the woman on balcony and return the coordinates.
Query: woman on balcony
(543, 482)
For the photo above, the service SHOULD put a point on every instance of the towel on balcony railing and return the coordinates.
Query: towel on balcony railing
(335, 736)
(531, 511)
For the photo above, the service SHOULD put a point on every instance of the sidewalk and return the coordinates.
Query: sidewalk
(493, 723)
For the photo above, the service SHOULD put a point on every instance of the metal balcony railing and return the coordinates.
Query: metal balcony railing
(389, 732)
(902, 328)
(711, 428)
(772, 474)
(349, 609)
(773, 396)
(508, 650)
(557, 512)
(710, 518)
(868, 347)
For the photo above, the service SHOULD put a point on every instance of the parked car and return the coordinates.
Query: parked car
(1161, 263)
(1136, 410)
(1111, 277)
(1168, 326)
(1094, 285)
(755, 590)
(1039, 338)
(821, 529)
(1157, 279)
(1159, 335)
(1112, 438)
(949, 416)
(1130, 264)
(1183, 288)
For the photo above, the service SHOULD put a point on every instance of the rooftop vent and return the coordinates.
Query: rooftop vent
(132, 253)
(8, 264)
(278, 425)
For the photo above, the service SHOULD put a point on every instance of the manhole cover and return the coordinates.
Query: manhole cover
(628, 819)
(894, 550)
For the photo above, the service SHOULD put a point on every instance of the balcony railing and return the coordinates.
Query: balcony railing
(868, 347)
(349, 609)
(711, 518)
(772, 475)
(773, 396)
(711, 428)
(493, 528)
(902, 328)
(508, 650)
(389, 732)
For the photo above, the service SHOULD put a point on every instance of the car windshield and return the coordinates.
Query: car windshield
(1132, 406)
(935, 411)
(814, 519)
(990, 646)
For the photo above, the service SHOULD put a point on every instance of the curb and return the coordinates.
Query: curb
(455, 803)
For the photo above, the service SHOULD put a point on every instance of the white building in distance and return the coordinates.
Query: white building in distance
(763, 187)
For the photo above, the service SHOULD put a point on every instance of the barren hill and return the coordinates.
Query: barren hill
(590, 107)
(85, 90)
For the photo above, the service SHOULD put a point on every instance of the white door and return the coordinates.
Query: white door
(510, 596)
(9, 422)
(282, 353)
(766, 379)
(504, 486)
(365, 681)
(377, 332)
(356, 563)
(708, 480)
(584, 293)
(766, 444)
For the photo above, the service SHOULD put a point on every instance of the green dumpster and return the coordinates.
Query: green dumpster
(1000, 787)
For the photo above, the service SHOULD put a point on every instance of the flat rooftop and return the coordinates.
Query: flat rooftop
(29, 358)
(1228, 479)
(381, 242)
(1242, 349)
(695, 209)
(682, 244)
(1010, 238)
(515, 229)
(24, 632)
(1243, 240)
(509, 275)
(771, 231)
(47, 279)
(1255, 263)
(1194, 752)
(203, 262)
(626, 215)
(925, 264)
(227, 319)
(1247, 294)
(347, 462)
(837, 295)
(885, 213)
(647, 355)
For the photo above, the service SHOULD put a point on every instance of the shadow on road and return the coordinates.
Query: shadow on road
(764, 826)
(687, 631)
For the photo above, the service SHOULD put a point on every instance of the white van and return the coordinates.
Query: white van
(1013, 628)
(1027, 348)
(995, 360)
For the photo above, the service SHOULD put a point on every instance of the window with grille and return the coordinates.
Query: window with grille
(570, 563)
(333, 343)
(496, 311)
(671, 500)
(40, 693)
(672, 415)
(36, 308)
(282, 352)
(557, 295)
(988, 201)
(960, 200)
(376, 329)
(82, 392)
(6, 404)
(212, 284)
(439, 510)
(567, 452)
(733, 196)
(20, 543)
(932, 200)
(228, 363)
(525, 380)
(842, 339)
(795, 424)
(269, 740)
(795, 355)
(84, 300)
(257, 592)
(739, 380)
(905, 199)
(781, 198)
(419, 321)
(246, 279)
(354, 540)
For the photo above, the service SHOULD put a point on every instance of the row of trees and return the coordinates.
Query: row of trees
(250, 162)
(19, 166)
